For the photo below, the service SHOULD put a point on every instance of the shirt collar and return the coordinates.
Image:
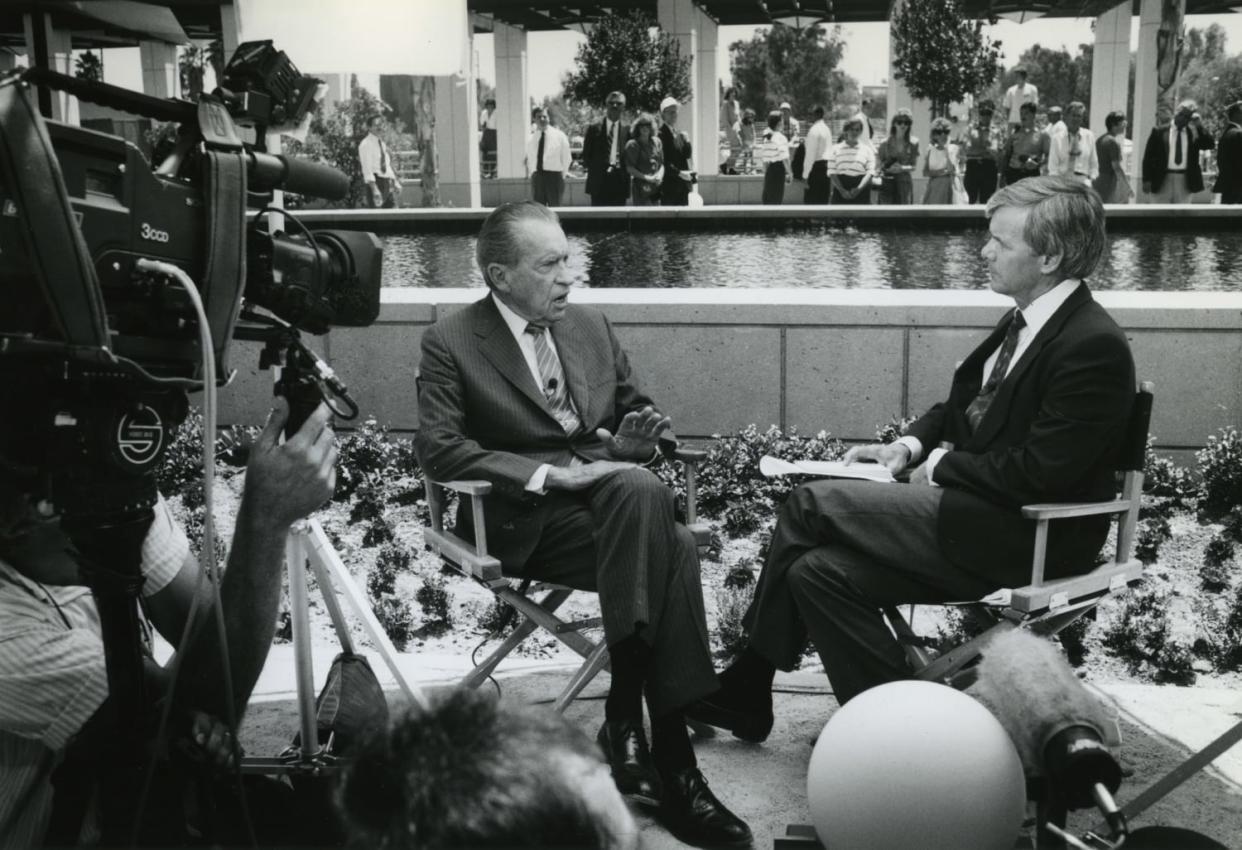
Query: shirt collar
(516, 324)
(1039, 311)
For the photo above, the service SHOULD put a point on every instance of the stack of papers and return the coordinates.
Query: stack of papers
(866, 470)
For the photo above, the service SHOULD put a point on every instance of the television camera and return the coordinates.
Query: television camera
(110, 271)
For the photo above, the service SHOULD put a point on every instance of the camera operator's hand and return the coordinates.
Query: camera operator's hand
(286, 481)
(212, 741)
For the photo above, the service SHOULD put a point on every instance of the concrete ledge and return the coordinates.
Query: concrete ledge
(841, 360)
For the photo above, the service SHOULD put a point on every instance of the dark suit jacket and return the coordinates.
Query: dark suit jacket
(1156, 158)
(481, 414)
(674, 191)
(596, 148)
(1050, 435)
(1229, 163)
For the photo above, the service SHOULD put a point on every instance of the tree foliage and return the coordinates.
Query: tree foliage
(1060, 77)
(88, 66)
(1211, 77)
(939, 54)
(628, 53)
(783, 63)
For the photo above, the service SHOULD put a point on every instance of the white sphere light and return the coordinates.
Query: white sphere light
(915, 764)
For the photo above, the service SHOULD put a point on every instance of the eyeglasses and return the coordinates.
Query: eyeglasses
(615, 103)
(903, 121)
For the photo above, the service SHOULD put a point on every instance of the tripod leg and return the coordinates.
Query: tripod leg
(328, 589)
(299, 612)
(321, 549)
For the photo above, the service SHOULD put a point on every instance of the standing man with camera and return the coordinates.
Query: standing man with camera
(53, 678)
(608, 183)
(679, 173)
(383, 187)
(1171, 169)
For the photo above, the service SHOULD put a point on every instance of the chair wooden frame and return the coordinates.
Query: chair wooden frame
(473, 561)
(1047, 607)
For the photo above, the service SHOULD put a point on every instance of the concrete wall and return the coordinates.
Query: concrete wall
(841, 360)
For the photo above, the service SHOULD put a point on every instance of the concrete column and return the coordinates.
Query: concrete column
(230, 28)
(706, 99)
(159, 68)
(682, 19)
(1110, 65)
(338, 88)
(55, 45)
(457, 139)
(1146, 86)
(8, 60)
(512, 100)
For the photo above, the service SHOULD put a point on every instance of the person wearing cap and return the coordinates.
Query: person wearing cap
(980, 147)
(1229, 157)
(1019, 93)
(547, 159)
(1072, 152)
(678, 171)
(790, 128)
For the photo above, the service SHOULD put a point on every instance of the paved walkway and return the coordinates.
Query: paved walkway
(766, 784)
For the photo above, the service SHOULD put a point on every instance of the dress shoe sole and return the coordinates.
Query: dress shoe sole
(643, 800)
(745, 727)
(687, 835)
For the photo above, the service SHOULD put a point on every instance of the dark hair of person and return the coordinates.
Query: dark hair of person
(470, 772)
(774, 119)
(817, 112)
(1113, 119)
(1027, 107)
(498, 239)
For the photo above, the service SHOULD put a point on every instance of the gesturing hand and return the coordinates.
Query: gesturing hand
(637, 435)
(286, 481)
(893, 455)
(584, 476)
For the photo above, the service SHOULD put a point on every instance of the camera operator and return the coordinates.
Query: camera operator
(53, 677)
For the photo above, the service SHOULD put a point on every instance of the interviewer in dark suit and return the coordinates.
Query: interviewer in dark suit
(561, 429)
(603, 151)
(1229, 157)
(1034, 414)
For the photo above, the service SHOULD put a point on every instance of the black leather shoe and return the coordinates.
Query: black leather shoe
(722, 709)
(625, 748)
(692, 813)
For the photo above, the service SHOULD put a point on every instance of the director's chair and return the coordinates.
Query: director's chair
(1047, 607)
(473, 561)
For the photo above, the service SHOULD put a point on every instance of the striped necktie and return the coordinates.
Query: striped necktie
(552, 381)
(978, 406)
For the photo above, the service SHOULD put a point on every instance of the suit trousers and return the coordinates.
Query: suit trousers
(818, 186)
(840, 551)
(547, 187)
(614, 188)
(980, 180)
(619, 539)
(1173, 190)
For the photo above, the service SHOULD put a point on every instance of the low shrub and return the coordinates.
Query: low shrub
(1073, 641)
(1217, 569)
(391, 561)
(436, 604)
(1153, 531)
(1141, 637)
(397, 618)
(1232, 525)
(1230, 657)
(364, 454)
(497, 618)
(182, 467)
(731, 605)
(368, 502)
(740, 576)
(1220, 473)
(893, 428)
(1166, 480)
(377, 533)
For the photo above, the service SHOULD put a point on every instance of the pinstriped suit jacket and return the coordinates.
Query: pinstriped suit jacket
(481, 414)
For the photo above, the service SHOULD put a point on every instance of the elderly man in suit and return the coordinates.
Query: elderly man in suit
(603, 151)
(1171, 170)
(1229, 157)
(536, 395)
(1034, 414)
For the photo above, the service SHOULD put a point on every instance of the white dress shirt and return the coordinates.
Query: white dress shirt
(1062, 161)
(818, 143)
(1036, 314)
(1173, 131)
(517, 326)
(556, 156)
(370, 155)
(614, 138)
(1015, 98)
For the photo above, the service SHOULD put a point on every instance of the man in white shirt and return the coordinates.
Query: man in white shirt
(1019, 93)
(383, 187)
(1072, 153)
(1035, 413)
(815, 164)
(547, 160)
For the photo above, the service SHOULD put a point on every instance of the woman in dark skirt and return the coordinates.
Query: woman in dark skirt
(777, 173)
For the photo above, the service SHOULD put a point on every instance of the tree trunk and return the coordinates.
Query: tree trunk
(425, 112)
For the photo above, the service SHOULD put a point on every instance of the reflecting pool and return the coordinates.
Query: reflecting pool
(808, 254)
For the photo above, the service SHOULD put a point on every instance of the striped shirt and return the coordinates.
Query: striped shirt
(53, 677)
(851, 161)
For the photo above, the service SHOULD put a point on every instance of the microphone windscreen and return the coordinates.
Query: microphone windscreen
(1034, 693)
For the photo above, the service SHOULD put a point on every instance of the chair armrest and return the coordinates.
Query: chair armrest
(469, 488)
(689, 455)
(1065, 510)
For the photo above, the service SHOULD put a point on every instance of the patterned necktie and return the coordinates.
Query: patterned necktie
(552, 378)
(1177, 153)
(979, 405)
(539, 153)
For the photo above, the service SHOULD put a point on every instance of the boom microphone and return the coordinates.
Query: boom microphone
(1060, 730)
(297, 175)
